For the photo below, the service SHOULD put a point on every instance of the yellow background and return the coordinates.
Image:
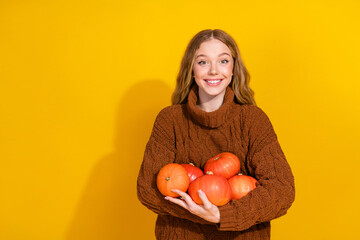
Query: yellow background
(82, 81)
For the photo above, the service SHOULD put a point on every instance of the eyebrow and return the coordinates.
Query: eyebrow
(203, 55)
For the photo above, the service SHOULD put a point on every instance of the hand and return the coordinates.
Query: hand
(208, 211)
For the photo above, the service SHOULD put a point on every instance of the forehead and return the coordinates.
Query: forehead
(212, 47)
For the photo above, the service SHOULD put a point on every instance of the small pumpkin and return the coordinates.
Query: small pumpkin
(216, 188)
(241, 185)
(172, 176)
(224, 164)
(193, 172)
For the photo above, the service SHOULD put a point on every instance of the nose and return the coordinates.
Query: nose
(213, 69)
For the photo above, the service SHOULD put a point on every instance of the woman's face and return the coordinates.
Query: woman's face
(213, 68)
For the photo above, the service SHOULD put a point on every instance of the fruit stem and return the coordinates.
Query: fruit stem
(167, 178)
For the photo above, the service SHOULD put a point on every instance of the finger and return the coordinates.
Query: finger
(178, 202)
(190, 204)
(184, 196)
(207, 204)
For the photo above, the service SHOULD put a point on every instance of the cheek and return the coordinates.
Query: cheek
(199, 71)
(228, 70)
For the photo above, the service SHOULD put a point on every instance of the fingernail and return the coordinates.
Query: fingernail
(166, 198)
(174, 190)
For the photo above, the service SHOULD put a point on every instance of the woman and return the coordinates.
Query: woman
(214, 111)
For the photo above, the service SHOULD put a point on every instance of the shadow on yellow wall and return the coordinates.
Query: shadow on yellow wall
(108, 207)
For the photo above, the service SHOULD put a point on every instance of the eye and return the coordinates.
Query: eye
(201, 62)
(224, 61)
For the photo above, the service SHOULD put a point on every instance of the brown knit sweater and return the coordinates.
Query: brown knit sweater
(183, 134)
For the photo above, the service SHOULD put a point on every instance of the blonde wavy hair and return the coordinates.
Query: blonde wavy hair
(241, 77)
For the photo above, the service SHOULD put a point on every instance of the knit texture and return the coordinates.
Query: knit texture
(185, 134)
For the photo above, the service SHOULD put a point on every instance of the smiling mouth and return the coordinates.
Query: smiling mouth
(213, 81)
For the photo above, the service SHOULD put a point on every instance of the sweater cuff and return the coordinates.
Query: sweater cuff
(227, 218)
(231, 220)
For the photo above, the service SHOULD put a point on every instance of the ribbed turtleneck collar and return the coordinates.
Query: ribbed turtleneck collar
(210, 119)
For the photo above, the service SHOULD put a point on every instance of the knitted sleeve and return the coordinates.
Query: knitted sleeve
(275, 191)
(160, 150)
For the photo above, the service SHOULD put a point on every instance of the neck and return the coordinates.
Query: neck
(210, 103)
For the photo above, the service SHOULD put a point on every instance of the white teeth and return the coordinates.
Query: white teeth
(213, 82)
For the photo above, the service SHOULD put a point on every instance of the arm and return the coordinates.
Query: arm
(275, 190)
(160, 150)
